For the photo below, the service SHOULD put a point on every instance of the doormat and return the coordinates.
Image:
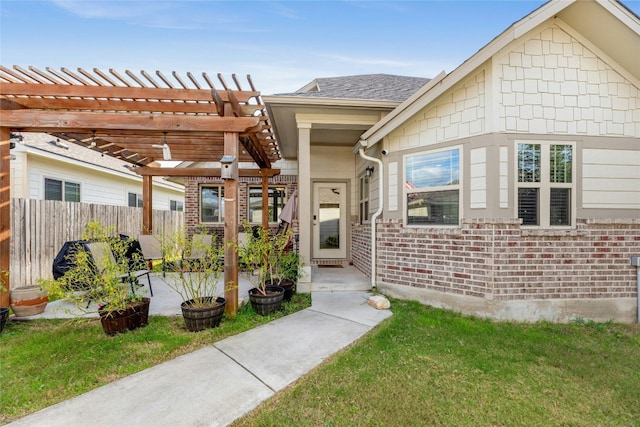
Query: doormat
(329, 265)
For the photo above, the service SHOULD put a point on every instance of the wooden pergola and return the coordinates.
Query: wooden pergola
(141, 119)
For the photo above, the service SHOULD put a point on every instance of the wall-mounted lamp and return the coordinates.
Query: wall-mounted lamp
(369, 171)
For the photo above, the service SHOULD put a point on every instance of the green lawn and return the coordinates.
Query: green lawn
(432, 367)
(43, 362)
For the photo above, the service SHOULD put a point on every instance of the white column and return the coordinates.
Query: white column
(304, 197)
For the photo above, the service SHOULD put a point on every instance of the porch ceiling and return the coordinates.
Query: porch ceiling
(130, 117)
(284, 111)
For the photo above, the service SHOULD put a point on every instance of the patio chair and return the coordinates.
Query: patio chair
(102, 256)
(152, 250)
(197, 251)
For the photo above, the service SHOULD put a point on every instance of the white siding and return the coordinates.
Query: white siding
(95, 186)
(459, 113)
(394, 191)
(611, 179)
(504, 177)
(478, 178)
(552, 83)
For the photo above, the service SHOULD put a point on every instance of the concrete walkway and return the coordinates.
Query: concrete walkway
(218, 384)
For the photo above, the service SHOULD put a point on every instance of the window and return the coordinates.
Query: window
(363, 199)
(55, 189)
(212, 204)
(135, 200)
(277, 196)
(176, 205)
(432, 188)
(545, 184)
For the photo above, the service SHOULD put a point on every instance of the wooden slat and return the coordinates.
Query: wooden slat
(155, 171)
(47, 121)
(90, 91)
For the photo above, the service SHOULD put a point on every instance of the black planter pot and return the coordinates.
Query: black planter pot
(269, 303)
(4, 316)
(199, 318)
(288, 285)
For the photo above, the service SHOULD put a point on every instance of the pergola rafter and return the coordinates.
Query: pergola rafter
(134, 118)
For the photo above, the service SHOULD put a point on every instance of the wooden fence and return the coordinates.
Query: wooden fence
(39, 228)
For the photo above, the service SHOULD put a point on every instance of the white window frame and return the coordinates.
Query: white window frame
(459, 187)
(63, 183)
(221, 211)
(271, 186)
(364, 205)
(545, 185)
(179, 205)
(139, 200)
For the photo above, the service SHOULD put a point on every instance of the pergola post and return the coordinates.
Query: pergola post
(231, 142)
(147, 204)
(265, 201)
(5, 214)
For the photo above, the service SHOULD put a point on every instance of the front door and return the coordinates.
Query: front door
(330, 220)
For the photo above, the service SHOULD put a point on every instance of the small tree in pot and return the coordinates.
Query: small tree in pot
(105, 280)
(257, 253)
(198, 271)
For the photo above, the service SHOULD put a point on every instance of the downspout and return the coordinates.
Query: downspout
(377, 213)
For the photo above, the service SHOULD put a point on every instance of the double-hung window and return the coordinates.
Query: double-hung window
(55, 189)
(276, 200)
(134, 200)
(212, 203)
(545, 184)
(432, 188)
(363, 199)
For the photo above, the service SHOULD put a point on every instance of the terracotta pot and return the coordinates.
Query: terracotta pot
(28, 300)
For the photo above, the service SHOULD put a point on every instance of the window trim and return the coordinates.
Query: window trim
(138, 198)
(63, 183)
(274, 186)
(545, 185)
(459, 187)
(220, 188)
(364, 199)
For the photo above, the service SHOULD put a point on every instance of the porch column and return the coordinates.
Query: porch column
(231, 142)
(147, 204)
(304, 198)
(5, 213)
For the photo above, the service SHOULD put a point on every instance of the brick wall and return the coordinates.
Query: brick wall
(361, 248)
(497, 259)
(192, 200)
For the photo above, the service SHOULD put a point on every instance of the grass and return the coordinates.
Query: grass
(43, 362)
(427, 366)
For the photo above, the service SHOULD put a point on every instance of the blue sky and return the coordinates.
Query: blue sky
(282, 44)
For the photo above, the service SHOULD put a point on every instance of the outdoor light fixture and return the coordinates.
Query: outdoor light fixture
(369, 171)
(166, 151)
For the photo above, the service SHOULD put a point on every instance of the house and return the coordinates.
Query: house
(507, 188)
(49, 168)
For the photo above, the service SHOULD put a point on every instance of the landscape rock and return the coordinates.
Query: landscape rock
(379, 301)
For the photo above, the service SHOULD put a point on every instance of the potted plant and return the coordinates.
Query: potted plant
(256, 254)
(4, 311)
(102, 268)
(197, 279)
(283, 264)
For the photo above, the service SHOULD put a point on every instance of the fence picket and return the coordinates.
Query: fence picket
(39, 228)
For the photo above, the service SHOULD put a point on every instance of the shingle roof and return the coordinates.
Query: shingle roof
(379, 87)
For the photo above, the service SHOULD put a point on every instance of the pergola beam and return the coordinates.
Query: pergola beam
(54, 121)
(154, 171)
